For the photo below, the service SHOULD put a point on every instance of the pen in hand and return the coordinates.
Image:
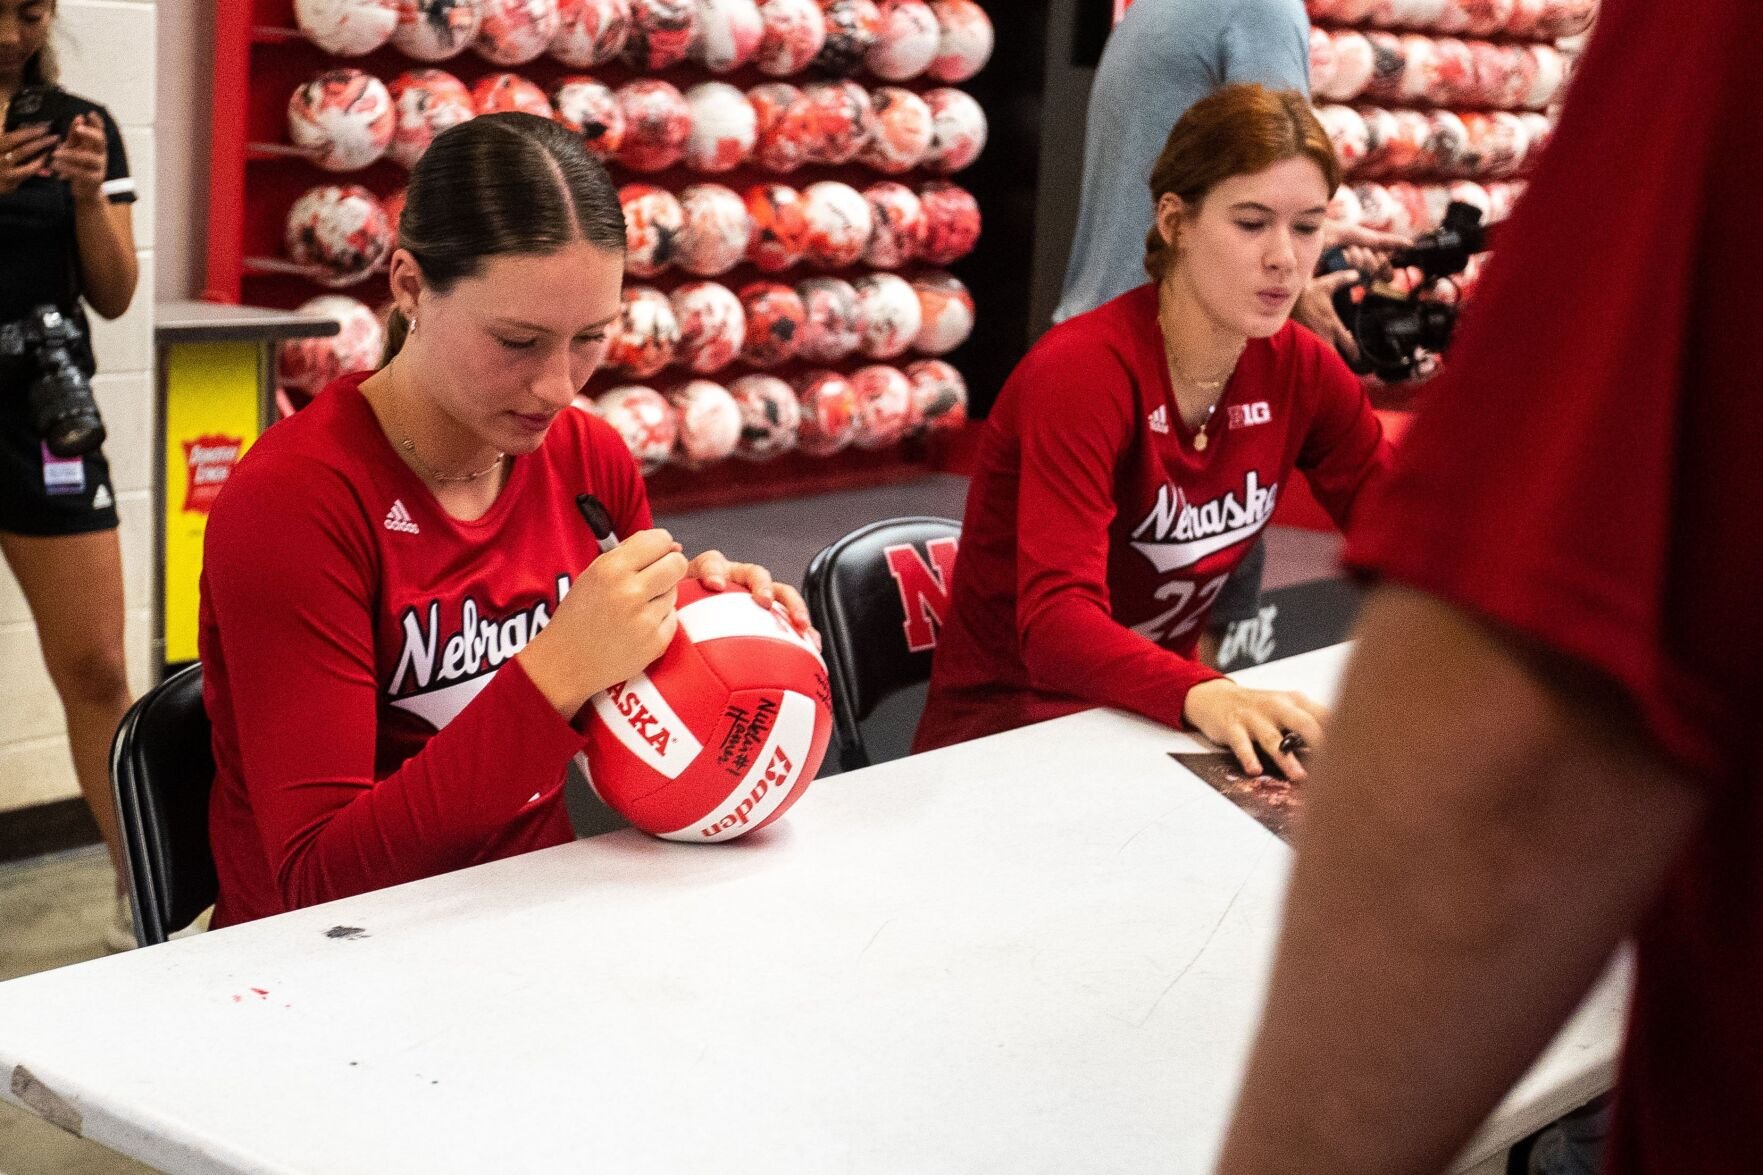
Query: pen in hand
(599, 520)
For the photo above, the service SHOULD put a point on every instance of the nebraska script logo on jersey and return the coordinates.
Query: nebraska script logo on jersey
(445, 671)
(1177, 533)
(924, 591)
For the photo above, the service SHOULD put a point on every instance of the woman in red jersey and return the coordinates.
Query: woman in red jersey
(403, 611)
(1138, 450)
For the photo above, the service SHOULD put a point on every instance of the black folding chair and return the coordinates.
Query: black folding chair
(161, 772)
(879, 596)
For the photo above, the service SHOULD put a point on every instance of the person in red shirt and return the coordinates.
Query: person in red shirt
(403, 613)
(1137, 452)
(1544, 744)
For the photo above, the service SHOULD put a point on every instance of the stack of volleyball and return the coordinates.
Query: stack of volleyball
(723, 733)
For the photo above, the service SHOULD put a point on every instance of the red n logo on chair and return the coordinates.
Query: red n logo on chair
(924, 590)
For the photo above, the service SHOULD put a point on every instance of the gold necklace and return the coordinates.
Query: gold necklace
(433, 474)
(1214, 387)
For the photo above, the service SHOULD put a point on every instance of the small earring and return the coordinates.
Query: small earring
(413, 326)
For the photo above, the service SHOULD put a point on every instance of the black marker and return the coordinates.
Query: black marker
(598, 520)
(1292, 742)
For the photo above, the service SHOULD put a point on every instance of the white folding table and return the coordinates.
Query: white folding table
(1039, 952)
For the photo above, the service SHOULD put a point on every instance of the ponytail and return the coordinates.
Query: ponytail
(397, 330)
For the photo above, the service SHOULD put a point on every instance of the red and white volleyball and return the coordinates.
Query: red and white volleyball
(1411, 211)
(1389, 64)
(1382, 133)
(1377, 208)
(343, 119)
(833, 330)
(1409, 14)
(1419, 72)
(644, 420)
(907, 43)
(661, 33)
(780, 226)
(647, 334)
(1404, 146)
(1322, 61)
(776, 321)
(716, 231)
(709, 422)
(884, 406)
(1355, 63)
(591, 110)
(852, 27)
(347, 28)
(897, 215)
(837, 120)
(722, 734)
(657, 123)
(964, 42)
(829, 413)
(435, 30)
(781, 143)
(340, 232)
(514, 32)
(903, 131)
(839, 224)
(724, 128)
(1343, 206)
(1527, 16)
(1490, 17)
(1537, 129)
(712, 326)
(1447, 143)
(1502, 198)
(1550, 76)
(958, 127)
(729, 32)
(889, 313)
(495, 93)
(946, 307)
(939, 395)
(590, 33)
(770, 416)
(952, 222)
(653, 222)
(427, 101)
(1346, 130)
(307, 365)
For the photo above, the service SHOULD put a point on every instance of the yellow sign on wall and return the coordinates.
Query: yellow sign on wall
(212, 400)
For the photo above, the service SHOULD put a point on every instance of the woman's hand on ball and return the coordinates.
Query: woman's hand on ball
(617, 618)
(1248, 720)
(715, 571)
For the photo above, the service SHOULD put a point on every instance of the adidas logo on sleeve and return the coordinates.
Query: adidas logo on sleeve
(398, 519)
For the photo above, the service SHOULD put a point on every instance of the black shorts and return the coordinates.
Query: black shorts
(39, 495)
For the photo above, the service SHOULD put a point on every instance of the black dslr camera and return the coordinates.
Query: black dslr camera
(62, 406)
(1394, 329)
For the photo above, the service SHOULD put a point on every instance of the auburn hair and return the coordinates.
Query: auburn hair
(1237, 130)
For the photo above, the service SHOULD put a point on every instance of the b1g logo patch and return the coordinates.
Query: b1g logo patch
(1245, 415)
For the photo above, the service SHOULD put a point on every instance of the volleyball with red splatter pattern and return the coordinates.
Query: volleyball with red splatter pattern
(1322, 61)
(435, 30)
(343, 119)
(427, 102)
(780, 226)
(898, 225)
(1354, 66)
(839, 224)
(939, 395)
(833, 330)
(647, 333)
(712, 326)
(776, 320)
(902, 131)
(952, 222)
(889, 313)
(907, 42)
(657, 123)
(591, 110)
(1389, 65)
(709, 422)
(829, 413)
(308, 365)
(724, 128)
(653, 222)
(347, 28)
(644, 420)
(340, 231)
(794, 34)
(498, 92)
(946, 308)
(716, 232)
(661, 33)
(780, 120)
(964, 42)
(729, 32)
(958, 131)
(1346, 131)
(590, 33)
(514, 32)
(852, 27)
(770, 416)
(884, 406)
(1377, 208)
(837, 120)
(1381, 131)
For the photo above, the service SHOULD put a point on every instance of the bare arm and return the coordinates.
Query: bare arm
(105, 231)
(1483, 830)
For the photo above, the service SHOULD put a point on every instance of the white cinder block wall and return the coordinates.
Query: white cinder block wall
(107, 53)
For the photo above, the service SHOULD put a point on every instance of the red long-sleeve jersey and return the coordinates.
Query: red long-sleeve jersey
(1096, 537)
(370, 725)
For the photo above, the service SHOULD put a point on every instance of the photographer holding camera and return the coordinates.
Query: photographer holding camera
(66, 235)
